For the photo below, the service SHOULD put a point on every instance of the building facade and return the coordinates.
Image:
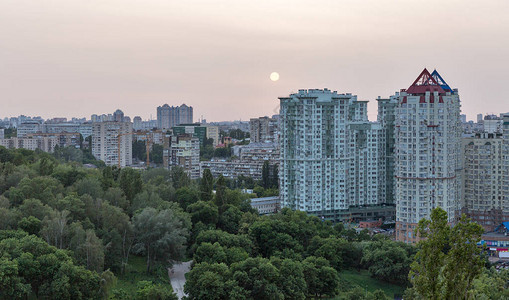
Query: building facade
(331, 156)
(112, 143)
(484, 182)
(170, 116)
(43, 143)
(262, 129)
(427, 153)
(184, 151)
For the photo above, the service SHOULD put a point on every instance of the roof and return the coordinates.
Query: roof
(441, 81)
(425, 83)
(505, 224)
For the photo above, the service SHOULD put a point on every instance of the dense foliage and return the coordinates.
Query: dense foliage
(70, 232)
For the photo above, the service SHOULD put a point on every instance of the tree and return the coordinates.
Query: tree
(156, 155)
(220, 198)
(32, 225)
(130, 182)
(266, 182)
(206, 186)
(320, 278)
(179, 177)
(388, 261)
(12, 285)
(146, 290)
(207, 281)
(448, 259)
(205, 212)
(160, 235)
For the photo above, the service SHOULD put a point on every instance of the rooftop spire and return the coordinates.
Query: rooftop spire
(441, 81)
(424, 83)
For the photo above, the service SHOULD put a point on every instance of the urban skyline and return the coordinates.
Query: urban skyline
(221, 55)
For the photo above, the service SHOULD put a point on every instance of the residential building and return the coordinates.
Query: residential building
(213, 133)
(196, 129)
(257, 153)
(184, 151)
(170, 116)
(232, 169)
(64, 139)
(332, 157)
(118, 116)
(2, 133)
(386, 117)
(112, 143)
(137, 123)
(262, 129)
(43, 143)
(427, 153)
(28, 127)
(485, 188)
(492, 124)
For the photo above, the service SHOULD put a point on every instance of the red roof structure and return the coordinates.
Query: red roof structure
(425, 83)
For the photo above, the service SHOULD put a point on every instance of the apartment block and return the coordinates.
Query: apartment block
(428, 167)
(170, 116)
(262, 129)
(112, 143)
(484, 180)
(43, 143)
(184, 151)
(332, 157)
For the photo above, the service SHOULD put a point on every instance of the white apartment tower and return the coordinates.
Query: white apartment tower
(427, 153)
(330, 154)
(112, 141)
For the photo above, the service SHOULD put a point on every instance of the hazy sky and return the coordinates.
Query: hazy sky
(75, 58)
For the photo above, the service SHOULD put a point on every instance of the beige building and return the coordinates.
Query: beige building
(213, 133)
(262, 129)
(485, 199)
(112, 143)
(44, 143)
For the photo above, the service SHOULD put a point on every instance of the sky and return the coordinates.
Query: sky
(65, 58)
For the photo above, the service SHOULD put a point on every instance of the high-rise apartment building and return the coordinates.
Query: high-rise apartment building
(262, 129)
(332, 157)
(170, 116)
(427, 153)
(484, 181)
(386, 118)
(184, 151)
(112, 143)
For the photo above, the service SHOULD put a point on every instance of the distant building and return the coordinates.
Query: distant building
(492, 124)
(137, 123)
(266, 205)
(2, 133)
(262, 129)
(196, 129)
(257, 153)
(43, 143)
(479, 118)
(112, 143)
(213, 133)
(232, 169)
(484, 181)
(170, 116)
(463, 118)
(28, 127)
(65, 139)
(184, 151)
(118, 116)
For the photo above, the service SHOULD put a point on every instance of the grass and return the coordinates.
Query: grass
(136, 272)
(351, 278)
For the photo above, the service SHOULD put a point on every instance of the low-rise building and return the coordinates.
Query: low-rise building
(43, 143)
(233, 169)
(65, 139)
(266, 205)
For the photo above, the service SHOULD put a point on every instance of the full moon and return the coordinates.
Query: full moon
(274, 76)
